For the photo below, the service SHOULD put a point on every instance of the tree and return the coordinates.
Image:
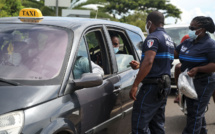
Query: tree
(46, 11)
(138, 18)
(10, 8)
(122, 7)
(101, 15)
(77, 4)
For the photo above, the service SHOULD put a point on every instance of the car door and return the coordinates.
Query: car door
(101, 105)
(126, 73)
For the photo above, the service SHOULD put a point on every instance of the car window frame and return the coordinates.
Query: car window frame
(84, 33)
(128, 40)
(139, 58)
(75, 57)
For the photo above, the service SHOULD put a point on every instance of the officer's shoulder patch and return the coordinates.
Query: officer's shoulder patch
(150, 43)
(183, 48)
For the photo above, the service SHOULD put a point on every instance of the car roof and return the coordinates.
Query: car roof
(176, 25)
(70, 22)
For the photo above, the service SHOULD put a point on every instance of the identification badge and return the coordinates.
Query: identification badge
(183, 49)
(150, 43)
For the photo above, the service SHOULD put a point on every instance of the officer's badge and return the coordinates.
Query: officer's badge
(150, 43)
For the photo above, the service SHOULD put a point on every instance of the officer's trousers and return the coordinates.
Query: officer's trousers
(148, 114)
(196, 123)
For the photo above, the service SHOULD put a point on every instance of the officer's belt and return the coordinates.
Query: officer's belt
(202, 75)
(152, 80)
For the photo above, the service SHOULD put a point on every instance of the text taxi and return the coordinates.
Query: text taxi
(48, 85)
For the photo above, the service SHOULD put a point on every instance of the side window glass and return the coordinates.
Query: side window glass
(94, 47)
(98, 52)
(82, 62)
(122, 48)
(137, 42)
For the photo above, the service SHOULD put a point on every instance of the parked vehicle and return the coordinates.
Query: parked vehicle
(40, 92)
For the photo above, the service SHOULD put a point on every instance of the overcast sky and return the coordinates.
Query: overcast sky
(192, 8)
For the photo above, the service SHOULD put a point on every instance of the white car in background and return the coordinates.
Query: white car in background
(177, 32)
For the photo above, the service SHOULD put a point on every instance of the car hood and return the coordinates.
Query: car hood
(21, 97)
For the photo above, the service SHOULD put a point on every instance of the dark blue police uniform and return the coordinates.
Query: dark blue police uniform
(192, 55)
(149, 108)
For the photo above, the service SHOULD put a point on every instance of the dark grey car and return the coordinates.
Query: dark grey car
(40, 93)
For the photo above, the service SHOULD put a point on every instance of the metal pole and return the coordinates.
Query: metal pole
(56, 7)
(96, 13)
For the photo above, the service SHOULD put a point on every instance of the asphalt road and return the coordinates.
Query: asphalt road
(176, 120)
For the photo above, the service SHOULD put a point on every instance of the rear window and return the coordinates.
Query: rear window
(31, 52)
(177, 33)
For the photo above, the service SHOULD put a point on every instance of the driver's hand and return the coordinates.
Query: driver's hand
(134, 64)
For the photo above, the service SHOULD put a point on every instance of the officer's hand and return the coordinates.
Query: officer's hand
(134, 64)
(133, 92)
(193, 72)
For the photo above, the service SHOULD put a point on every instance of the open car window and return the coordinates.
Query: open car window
(126, 52)
(98, 50)
(92, 55)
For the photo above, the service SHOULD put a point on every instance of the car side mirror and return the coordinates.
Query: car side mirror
(88, 80)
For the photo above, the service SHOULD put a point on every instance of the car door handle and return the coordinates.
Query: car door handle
(117, 90)
(117, 86)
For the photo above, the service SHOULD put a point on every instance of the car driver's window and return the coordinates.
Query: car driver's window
(94, 47)
(122, 49)
(98, 52)
(82, 62)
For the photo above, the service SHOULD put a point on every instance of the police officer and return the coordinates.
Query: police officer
(197, 54)
(154, 73)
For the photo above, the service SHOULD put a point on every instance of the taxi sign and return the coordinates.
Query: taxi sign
(30, 15)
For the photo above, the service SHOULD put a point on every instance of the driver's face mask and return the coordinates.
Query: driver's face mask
(192, 34)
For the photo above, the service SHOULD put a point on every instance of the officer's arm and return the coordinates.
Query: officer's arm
(145, 67)
(176, 55)
(209, 68)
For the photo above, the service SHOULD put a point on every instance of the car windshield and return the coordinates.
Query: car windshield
(177, 33)
(31, 52)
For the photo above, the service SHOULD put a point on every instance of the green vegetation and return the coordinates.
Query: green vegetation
(121, 7)
(131, 11)
(138, 18)
(9, 8)
(46, 11)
